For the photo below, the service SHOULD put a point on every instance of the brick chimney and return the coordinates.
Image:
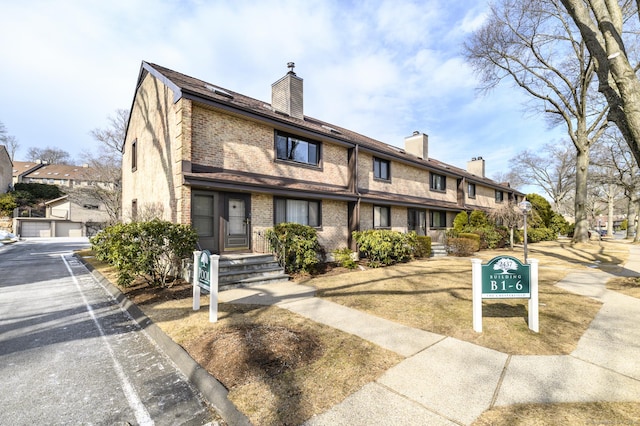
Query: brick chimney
(476, 166)
(286, 94)
(417, 144)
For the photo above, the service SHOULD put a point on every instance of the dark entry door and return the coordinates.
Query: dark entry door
(204, 217)
(417, 221)
(237, 222)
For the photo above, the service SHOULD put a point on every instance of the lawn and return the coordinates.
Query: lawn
(281, 368)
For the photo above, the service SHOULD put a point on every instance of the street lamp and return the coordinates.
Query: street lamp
(525, 208)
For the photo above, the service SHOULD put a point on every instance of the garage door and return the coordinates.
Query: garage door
(35, 229)
(68, 229)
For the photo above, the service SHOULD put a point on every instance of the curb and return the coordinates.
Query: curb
(212, 390)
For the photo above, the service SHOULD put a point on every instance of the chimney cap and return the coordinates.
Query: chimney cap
(291, 66)
(415, 132)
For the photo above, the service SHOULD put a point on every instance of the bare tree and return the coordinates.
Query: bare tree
(509, 216)
(534, 44)
(618, 167)
(602, 24)
(12, 145)
(105, 164)
(48, 155)
(552, 168)
(9, 141)
(112, 137)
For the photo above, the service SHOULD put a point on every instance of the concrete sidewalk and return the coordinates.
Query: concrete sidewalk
(446, 381)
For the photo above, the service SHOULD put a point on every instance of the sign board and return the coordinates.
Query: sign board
(205, 276)
(204, 270)
(504, 277)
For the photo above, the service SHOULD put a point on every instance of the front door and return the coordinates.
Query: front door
(417, 221)
(237, 222)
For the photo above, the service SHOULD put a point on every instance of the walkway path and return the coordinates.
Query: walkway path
(446, 381)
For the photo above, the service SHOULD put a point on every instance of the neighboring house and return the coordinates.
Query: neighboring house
(6, 166)
(79, 215)
(57, 174)
(234, 166)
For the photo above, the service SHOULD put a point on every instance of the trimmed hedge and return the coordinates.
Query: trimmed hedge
(462, 246)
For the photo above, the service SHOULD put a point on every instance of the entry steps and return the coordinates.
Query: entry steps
(243, 270)
(438, 250)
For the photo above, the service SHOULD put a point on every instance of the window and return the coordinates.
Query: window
(438, 182)
(90, 206)
(381, 217)
(438, 219)
(381, 169)
(499, 196)
(134, 155)
(471, 190)
(134, 209)
(291, 148)
(303, 212)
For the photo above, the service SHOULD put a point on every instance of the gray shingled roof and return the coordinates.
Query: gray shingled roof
(208, 93)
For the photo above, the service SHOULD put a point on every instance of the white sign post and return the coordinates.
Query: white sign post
(504, 277)
(205, 275)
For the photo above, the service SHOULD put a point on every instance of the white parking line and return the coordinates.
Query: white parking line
(140, 411)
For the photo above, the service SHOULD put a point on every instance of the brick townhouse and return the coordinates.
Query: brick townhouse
(234, 166)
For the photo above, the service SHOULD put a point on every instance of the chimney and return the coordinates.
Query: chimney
(476, 166)
(286, 94)
(417, 144)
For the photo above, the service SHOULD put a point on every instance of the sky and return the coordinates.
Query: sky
(382, 68)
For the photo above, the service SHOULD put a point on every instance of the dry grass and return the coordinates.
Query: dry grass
(435, 295)
(281, 368)
(596, 413)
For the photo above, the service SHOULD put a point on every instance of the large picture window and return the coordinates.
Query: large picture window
(438, 219)
(303, 212)
(381, 217)
(438, 182)
(381, 169)
(292, 148)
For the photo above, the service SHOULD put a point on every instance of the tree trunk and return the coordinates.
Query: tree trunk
(610, 216)
(630, 217)
(581, 231)
(635, 220)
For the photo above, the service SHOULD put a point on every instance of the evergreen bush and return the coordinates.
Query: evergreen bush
(385, 247)
(296, 246)
(151, 250)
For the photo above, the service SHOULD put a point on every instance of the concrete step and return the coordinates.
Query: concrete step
(249, 269)
(438, 250)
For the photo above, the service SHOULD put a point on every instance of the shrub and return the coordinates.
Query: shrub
(478, 219)
(152, 250)
(559, 224)
(344, 257)
(296, 246)
(385, 247)
(460, 222)
(535, 235)
(7, 204)
(39, 191)
(463, 246)
(470, 235)
(492, 238)
(423, 246)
